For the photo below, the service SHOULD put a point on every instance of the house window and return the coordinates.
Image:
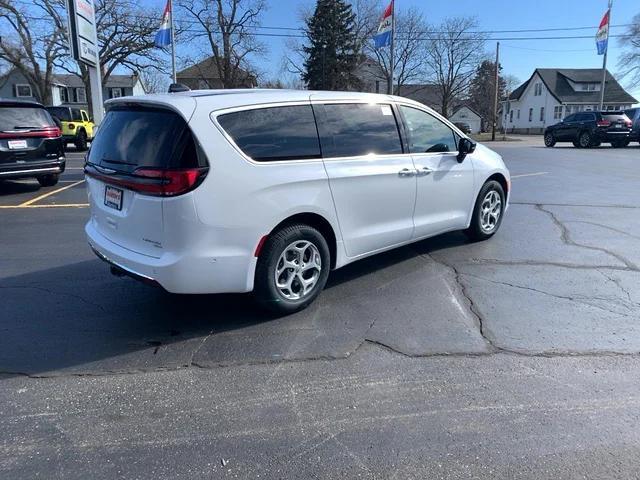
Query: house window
(64, 95)
(81, 95)
(116, 92)
(557, 112)
(23, 90)
(542, 114)
(537, 89)
(531, 114)
(511, 116)
(567, 110)
(377, 86)
(518, 114)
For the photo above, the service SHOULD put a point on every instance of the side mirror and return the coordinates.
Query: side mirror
(438, 148)
(465, 147)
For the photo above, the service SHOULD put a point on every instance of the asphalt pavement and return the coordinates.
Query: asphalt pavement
(513, 358)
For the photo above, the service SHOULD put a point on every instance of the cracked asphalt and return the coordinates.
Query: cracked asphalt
(513, 358)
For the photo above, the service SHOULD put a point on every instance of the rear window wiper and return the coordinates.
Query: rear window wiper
(26, 127)
(117, 162)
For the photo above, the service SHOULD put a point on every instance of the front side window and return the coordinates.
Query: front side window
(23, 91)
(427, 134)
(274, 133)
(358, 129)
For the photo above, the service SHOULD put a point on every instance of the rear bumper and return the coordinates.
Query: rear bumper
(612, 136)
(32, 169)
(185, 273)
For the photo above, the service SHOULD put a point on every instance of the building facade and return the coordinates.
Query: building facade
(68, 90)
(552, 94)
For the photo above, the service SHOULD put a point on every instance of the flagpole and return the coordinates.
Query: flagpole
(173, 46)
(604, 61)
(393, 47)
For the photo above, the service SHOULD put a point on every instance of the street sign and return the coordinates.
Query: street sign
(83, 38)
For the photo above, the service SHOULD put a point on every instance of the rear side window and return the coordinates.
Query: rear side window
(61, 113)
(75, 115)
(16, 118)
(352, 130)
(132, 138)
(274, 133)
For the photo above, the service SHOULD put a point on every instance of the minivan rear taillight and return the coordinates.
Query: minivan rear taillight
(156, 182)
(44, 132)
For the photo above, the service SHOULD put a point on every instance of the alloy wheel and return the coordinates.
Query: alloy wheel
(298, 270)
(490, 211)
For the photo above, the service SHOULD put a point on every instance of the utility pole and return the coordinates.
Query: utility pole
(604, 61)
(495, 98)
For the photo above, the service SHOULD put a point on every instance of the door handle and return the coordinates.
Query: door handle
(424, 171)
(406, 172)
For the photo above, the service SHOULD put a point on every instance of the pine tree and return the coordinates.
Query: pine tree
(482, 89)
(332, 55)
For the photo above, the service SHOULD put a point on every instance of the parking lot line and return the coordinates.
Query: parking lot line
(59, 205)
(530, 175)
(42, 197)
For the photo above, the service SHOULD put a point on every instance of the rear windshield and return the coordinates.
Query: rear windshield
(61, 113)
(614, 117)
(132, 138)
(16, 118)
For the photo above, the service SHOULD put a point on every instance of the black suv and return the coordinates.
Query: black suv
(634, 115)
(30, 143)
(590, 129)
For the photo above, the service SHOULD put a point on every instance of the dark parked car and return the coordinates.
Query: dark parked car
(590, 129)
(464, 127)
(30, 143)
(634, 115)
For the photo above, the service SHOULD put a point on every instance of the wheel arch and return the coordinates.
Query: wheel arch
(318, 222)
(502, 180)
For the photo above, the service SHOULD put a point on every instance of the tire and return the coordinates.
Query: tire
(478, 230)
(81, 141)
(48, 180)
(584, 140)
(576, 144)
(597, 143)
(282, 245)
(549, 140)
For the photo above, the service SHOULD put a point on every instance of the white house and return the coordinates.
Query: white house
(68, 90)
(551, 94)
(465, 114)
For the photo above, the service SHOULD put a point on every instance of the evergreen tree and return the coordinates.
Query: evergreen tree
(331, 53)
(482, 89)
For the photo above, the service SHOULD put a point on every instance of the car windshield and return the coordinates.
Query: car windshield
(61, 113)
(16, 118)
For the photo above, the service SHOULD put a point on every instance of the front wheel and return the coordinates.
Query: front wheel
(292, 269)
(488, 212)
(549, 140)
(48, 180)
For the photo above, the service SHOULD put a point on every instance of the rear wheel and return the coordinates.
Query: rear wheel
(292, 269)
(584, 140)
(549, 140)
(48, 180)
(487, 213)
(81, 141)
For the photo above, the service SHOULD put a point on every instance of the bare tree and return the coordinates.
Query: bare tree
(153, 81)
(629, 62)
(34, 42)
(409, 62)
(511, 83)
(453, 52)
(227, 28)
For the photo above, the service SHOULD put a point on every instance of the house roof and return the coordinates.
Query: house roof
(206, 69)
(557, 82)
(116, 81)
(428, 94)
(468, 107)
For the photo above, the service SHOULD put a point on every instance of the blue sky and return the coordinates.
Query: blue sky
(518, 58)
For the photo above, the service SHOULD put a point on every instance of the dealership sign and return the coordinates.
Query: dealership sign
(83, 39)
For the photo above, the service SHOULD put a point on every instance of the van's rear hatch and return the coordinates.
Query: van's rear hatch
(141, 155)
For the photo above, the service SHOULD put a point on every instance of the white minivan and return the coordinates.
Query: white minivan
(268, 190)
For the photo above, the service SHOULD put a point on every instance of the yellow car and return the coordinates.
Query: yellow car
(76, 126)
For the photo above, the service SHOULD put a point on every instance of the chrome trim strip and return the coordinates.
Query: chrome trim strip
(36, 170)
